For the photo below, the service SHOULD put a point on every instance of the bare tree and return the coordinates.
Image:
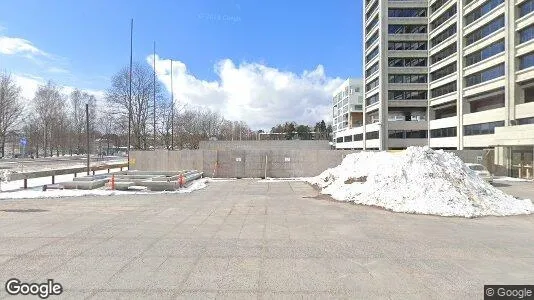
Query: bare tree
(10, 108)
(49, 111)
(141, 103)
(78, 99)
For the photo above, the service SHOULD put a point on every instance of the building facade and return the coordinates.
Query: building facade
(451, 74)
(347, 114)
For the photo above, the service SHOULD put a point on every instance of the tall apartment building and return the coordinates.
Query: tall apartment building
(347, 101)
(396, 74)
(460, 71)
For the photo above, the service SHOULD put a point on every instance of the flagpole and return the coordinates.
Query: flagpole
(130, 94)
(154, 62)
(172, 111)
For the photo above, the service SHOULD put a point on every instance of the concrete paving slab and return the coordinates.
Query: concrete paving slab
(245, 239)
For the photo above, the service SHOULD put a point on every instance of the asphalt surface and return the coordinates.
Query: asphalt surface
(519, 189)
(248, 239)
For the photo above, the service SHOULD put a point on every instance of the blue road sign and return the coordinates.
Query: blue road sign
(23, 141)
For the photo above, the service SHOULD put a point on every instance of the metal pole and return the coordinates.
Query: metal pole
(154, 96)
(172, 111)
(130, 94)
(87, 134)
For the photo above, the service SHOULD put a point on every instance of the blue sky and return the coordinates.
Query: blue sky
(86, 42)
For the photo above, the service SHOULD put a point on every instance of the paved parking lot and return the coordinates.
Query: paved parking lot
(520, 189)
(246, 239)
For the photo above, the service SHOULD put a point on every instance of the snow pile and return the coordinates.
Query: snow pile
(38, 193)
(4, 175)
(418, 180)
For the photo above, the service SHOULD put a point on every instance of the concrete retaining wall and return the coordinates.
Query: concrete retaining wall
(240, 163)
(252, 163)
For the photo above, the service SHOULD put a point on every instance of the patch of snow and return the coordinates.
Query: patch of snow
(40, 181)
(38, 193)
(221, 179)
(268, 179)
(504, 179)
(418, 180)
(137, 188)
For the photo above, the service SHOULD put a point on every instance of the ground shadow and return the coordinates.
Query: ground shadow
(28, 210)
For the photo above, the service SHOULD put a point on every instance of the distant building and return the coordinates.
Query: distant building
(347, 113)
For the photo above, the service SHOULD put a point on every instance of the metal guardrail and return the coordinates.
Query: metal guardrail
(52, 173)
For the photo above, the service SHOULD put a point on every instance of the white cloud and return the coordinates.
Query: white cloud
(12, 45)
(260, 95)
(29, 85)
(58, 70)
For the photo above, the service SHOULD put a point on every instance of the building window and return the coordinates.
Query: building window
(371, 40)
(443, 90)
(485, 8)
(339, 140)
(407, 78)
(406, 115)
(371, 100)
(485, 75)
(407, 134)
(445, 34)
(407, 12)
(373, 135)
(526, 61)
(416, 134)
(371, 55)
(358, 137)
(407, 46)
(347, 139)
(526, 34)
(483, 128)
(529, 94)
(448, 51)
(443, 132)
(487, 103)
(371, 25)
(485, 30)
(407, 95)
(406, 29)
(396, 134)
(407, 62)
(485, 53)
(525, 121)
(371, 85)
(372, 9)
(444, 112)
(526, 7)
(447, 70)
(444, 17)
(373, 69)
(437, 5)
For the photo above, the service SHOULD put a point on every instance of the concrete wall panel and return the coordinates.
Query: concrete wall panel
(253, 163)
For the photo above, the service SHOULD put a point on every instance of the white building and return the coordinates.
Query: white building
(347, 101)
(450, 74)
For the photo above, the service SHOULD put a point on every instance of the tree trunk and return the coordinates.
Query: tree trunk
(3, 146)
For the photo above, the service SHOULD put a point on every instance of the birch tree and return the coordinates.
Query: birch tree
(10, 108)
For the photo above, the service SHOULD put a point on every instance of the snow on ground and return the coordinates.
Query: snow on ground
(38, 193)
(504, 179)
(221, 179)
(418, 180)
(39, 182)
(268, 179)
